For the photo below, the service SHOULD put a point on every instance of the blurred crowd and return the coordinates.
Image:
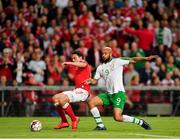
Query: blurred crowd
(36, 36)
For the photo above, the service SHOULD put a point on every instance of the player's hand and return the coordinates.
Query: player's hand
(65, 63)
(88, 81)
(149, 58)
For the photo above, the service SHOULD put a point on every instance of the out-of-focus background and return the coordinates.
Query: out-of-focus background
(36, 36)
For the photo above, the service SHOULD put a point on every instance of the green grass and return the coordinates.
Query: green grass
(163, 127)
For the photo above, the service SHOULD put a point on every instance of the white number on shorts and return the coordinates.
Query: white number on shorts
(118, 101)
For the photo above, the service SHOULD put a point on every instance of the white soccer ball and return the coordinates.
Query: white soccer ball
(36, 125)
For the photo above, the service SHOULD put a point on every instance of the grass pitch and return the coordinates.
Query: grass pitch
(163, 127)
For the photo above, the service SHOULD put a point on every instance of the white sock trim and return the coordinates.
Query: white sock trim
(95, 112)
(56, 104)
(131, 119)
(128, 119)
(65, 105)
(141, 122)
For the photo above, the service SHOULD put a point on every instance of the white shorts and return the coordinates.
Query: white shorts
(77, 95)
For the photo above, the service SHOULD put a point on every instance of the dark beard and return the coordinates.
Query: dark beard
(106, 60)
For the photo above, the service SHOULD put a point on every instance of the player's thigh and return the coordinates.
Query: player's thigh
(77, 95)
(95, 101)
(118, 100)
(101, 99)
(61, 97)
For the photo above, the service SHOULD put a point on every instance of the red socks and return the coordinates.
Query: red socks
(68, 109)
(61, 113)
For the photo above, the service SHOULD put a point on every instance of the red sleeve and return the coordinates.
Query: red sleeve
(72, 69)
(132, 31)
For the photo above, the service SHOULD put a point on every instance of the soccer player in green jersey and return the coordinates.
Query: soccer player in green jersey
(111, 70)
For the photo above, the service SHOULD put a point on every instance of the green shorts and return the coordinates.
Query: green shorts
(116, 100)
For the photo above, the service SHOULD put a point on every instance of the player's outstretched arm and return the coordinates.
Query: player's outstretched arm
(90, 81)
(149, 58)
(77, 64)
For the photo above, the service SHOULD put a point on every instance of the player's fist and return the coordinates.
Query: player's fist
(152, 57)
(65, 63)
(88, 81)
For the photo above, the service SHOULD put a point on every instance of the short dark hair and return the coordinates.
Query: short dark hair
(145, 23)
(77, 52)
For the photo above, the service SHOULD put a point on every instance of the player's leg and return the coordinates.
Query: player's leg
(93, 103)
(64, 123)
(119, 100)
(129, 119)
(60, 111)
(77, 95)
(62, 100)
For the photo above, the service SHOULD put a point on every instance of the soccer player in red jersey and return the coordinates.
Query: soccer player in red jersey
(80, 93)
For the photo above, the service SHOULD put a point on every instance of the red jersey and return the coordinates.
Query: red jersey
(145, 37)
(80, 76)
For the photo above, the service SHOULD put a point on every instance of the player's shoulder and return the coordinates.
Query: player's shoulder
(100, 66)
(123, 58)
(87, 65)
(84, 61)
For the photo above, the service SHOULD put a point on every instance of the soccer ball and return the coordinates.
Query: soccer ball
(36, 125)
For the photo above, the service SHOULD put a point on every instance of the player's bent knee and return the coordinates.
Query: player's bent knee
(118, 118)
(54, 99)
(91, 104)
(63, 100)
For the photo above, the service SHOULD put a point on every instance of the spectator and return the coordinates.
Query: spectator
(82, 48)
(131, 72)
(30, 96)
(94, 55)
(20, 68)
(126, 50)
(17, 102)
(135, 95)
(87, 38)
(67, 49)
(145, 37)
(46, 99)
(155, 96)
(38, 8)
(135, 3)
(7, 99)
(168, 81)
(177, 58)
(161, 51)
(37, 65)
(116, 51)
(162, 71)
(65, 82)
(7, 65)
(176, 74)
(156, 65)
(46, 42)
(75, 41)
(135, 51)
(170, 64)
(55, 69)
(52, 48)
(52, 10)
(98, 9)
(146, 72)
(164, 34)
